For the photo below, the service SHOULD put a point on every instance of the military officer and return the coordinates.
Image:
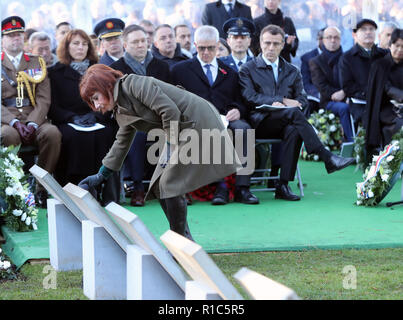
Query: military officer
(109, 31)
(25, 100)
(239, 31)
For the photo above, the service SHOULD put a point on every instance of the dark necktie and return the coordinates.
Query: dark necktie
(239, 64)
(230, 9)
(209, 74)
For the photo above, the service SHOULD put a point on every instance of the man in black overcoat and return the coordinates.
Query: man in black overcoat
(355, 65)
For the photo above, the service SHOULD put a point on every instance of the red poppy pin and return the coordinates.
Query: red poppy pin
(223, 71)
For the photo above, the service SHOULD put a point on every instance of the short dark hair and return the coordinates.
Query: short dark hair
(130, 29)
(272, 29)
(396, 35)
(163, 26)
(180, 26)
(64, 23)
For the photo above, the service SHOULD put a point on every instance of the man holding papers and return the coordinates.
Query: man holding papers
(269, 79)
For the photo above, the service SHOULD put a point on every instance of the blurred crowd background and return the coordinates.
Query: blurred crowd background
(308, 16)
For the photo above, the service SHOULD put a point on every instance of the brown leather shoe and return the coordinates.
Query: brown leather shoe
(137, 199)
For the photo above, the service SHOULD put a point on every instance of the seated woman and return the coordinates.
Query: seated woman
(385, 84)
(82, 151)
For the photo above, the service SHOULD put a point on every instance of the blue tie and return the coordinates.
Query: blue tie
(239, 64)
(230, 9)
(209, 74)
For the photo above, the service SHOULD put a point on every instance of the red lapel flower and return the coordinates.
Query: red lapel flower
(223, 71)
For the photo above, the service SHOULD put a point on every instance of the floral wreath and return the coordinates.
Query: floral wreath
(329, 131)
(382, 174)
(7, 269)
(17, 203)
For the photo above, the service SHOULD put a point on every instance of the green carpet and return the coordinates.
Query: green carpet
(325, 218)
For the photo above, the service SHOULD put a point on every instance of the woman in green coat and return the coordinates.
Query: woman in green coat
(147, 104)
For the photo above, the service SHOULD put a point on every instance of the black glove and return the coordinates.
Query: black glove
(92, 182)
(85, 120)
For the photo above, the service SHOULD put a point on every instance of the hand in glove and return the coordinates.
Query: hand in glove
(85, 120)
(31, 134)
(92, 182)
(23, 131)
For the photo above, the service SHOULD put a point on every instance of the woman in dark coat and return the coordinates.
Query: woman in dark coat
(81, 152)
(385, 84)
(145, 104)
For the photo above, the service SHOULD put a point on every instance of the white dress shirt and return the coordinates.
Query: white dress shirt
(274, 66)
(213, 67)
(15, 60)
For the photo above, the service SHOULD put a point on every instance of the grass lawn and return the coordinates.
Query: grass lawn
(314, 275)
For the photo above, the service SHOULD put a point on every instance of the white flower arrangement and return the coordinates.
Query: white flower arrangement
(382, 174)
(6, 268)
(329, 131)
(17, 205)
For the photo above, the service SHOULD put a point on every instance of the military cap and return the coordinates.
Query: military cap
(109, 28)
(12, 24)
(239, 26)
(365, 21)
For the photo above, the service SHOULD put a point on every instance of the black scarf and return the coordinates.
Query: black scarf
(276, 18)
(332, 58)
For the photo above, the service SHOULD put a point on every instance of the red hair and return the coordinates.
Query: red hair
(98, 78)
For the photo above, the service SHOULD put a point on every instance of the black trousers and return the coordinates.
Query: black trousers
(291, 126)
(241, 180)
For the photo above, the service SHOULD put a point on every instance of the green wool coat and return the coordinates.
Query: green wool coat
(145, 103)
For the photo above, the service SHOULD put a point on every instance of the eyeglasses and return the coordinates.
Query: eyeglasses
(332, 38)
(209, 48)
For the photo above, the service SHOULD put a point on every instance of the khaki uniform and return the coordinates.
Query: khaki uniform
(48, 137)
(145, 103)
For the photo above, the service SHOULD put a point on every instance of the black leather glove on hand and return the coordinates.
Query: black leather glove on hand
(89, 119)
(92, 182)
(85, 120)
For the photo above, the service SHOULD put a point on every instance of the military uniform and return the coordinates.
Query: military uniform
(107, 28)
(30, 106)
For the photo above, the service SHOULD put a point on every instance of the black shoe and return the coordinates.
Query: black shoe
(41, 198)
(272, 183)
(189, 200)
(244, 195)
(337, 163)
(283, 191)
(221, 196)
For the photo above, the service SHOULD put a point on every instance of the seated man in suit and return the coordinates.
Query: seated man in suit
(239, 31)
(269, 79)
(211, 79)
(325, 76)
(137, 59)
